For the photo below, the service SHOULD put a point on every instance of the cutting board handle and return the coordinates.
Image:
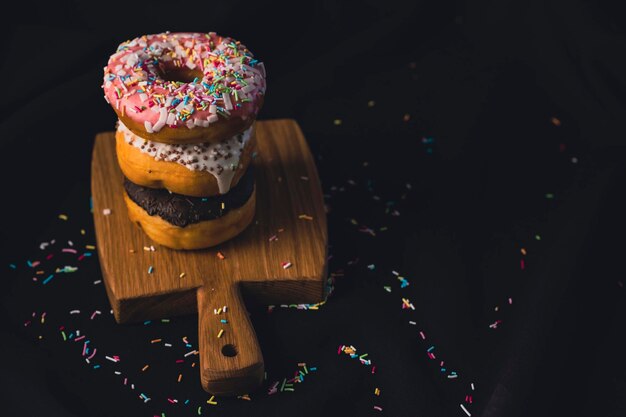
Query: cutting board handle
(231, 364)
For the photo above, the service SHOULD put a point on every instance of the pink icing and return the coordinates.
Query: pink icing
(231, 85)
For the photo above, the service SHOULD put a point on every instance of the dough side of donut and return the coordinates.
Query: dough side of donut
(195, 236)
(215, 132)
(144, 170)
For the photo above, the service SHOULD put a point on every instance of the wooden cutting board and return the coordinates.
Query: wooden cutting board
(145, 284)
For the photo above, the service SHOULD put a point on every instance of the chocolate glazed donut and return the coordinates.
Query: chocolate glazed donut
(183, 222)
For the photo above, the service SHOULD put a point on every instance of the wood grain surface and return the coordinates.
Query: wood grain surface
(182, 282)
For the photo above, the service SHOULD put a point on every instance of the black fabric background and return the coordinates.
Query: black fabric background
(481, 78)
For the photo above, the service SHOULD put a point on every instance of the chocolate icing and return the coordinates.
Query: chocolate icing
(181, 210)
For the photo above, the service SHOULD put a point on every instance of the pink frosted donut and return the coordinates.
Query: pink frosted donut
(184, 87)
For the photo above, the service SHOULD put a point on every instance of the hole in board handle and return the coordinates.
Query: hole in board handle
(229, 350)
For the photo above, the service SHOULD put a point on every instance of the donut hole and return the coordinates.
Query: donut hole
(180, 74)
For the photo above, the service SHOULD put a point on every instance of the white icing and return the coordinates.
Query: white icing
(220, 159)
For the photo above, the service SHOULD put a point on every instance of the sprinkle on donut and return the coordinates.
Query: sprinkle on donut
(183, 80)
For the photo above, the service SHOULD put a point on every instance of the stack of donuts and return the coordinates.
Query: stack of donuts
(186, 104)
